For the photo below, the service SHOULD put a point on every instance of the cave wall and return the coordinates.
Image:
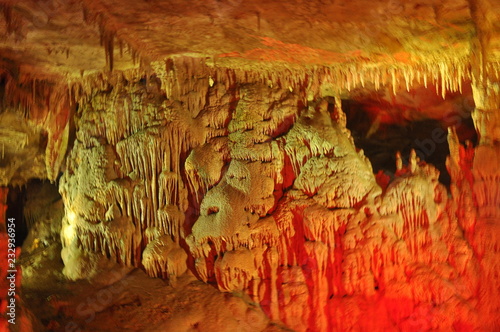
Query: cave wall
(254, 185)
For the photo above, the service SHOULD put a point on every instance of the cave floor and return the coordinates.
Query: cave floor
(134, 302)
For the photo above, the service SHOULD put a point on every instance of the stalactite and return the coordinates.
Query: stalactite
(107, 41)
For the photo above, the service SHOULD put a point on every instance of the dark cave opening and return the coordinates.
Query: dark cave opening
(28, 203)
(16, 200)
(382, 128)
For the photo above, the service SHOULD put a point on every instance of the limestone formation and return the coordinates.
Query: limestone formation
(225, 148)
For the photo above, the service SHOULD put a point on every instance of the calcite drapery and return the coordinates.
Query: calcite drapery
(257, 189)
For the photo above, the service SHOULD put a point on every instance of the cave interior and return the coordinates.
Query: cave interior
(229, 165)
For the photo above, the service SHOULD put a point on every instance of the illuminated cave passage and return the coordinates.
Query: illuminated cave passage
(418, 120)
(230, 165)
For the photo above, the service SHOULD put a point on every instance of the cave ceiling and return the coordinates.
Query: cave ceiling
(62, 40)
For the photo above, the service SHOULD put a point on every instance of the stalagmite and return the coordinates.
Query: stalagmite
(161, 258)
